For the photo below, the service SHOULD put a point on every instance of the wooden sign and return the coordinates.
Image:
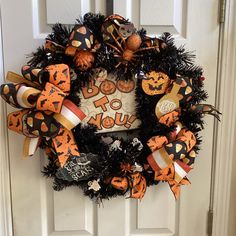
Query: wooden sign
(110, 104)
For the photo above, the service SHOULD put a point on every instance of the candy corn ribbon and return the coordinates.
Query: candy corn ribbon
(46, 112)
(129, 180)
(170, 159)
(169, 154)
(81, 40)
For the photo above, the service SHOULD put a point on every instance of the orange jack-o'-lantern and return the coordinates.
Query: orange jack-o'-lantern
(108, 122)
(125, 86)
(155, 83)
(107, 87)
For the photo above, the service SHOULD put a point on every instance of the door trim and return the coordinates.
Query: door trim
(5, 185)
(224, 150)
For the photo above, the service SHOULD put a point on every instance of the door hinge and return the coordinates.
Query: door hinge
(222, 11)
(209, 222)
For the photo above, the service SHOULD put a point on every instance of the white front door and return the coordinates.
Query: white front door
(37, 209)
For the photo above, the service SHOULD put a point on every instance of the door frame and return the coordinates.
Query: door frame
(6, 223)
(223, 150)
(224, 138)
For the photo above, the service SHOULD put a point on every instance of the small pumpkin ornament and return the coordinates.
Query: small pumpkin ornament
(125, 86)
(155, 83)
(84, 60)
(107, 87)
(108, 122)
(82, 46)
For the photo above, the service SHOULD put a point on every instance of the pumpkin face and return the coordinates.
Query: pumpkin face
(107, 87)
(108, 122)
(155, 83)
(125, 86)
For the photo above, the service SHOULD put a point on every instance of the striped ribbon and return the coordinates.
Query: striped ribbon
(159, 159)
(181, 170)
(70, 115)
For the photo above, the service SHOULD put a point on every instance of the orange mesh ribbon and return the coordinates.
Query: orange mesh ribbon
(45, 110)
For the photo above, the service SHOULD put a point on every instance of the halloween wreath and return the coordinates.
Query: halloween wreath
(103, 75)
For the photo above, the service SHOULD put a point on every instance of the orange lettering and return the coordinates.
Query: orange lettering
(118, 119)
(96, 121)
(116, 104)
(90, 90)
(130, 121)
(101, 102)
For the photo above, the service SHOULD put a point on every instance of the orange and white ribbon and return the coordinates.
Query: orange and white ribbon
(70, 115)
(159, 159)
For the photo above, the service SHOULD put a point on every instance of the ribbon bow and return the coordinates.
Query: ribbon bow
(172, 157)
(82, 46)
(132, 180)
(169, 157)
(46, 112)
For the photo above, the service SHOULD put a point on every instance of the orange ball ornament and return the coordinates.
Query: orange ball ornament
(133, 42)
(84, 60)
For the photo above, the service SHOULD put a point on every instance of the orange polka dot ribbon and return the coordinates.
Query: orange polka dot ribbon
(169, 157)
(130, 180)
(45, 110)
